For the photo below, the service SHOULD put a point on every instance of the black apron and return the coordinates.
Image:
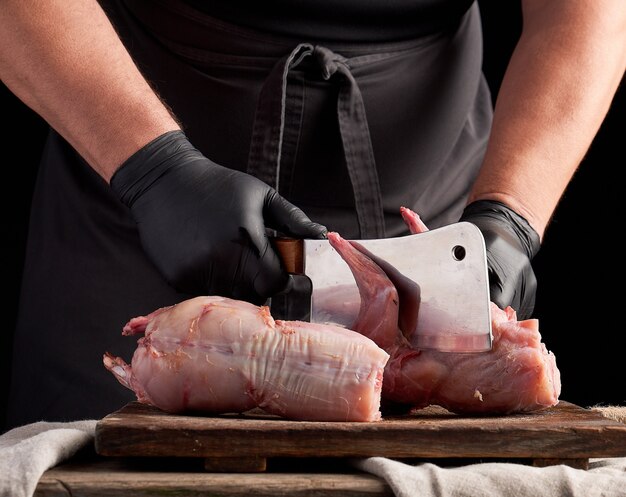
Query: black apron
(347, 132)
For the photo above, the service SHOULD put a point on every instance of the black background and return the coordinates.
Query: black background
(580, 268)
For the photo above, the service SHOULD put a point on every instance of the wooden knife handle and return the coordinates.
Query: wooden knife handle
(290, 251)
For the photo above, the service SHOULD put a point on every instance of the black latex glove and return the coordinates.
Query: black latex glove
(204, 225)
(511, 245)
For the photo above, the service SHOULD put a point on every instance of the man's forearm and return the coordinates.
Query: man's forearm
(65, 61)
(556, 91)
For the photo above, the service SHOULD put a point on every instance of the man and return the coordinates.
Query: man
(346, 110)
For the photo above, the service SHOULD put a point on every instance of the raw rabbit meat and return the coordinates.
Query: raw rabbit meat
(517, 375)
(217, 355)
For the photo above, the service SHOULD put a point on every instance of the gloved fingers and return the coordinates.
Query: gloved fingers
(528, 290)
(260, 273)
(513, 286)
(499, 298)
(282, 215)
(271, 278)
(499, 293)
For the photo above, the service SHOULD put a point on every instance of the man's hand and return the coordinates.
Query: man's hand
(511, 244)
(203, 225)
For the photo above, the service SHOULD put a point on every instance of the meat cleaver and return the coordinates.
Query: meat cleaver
(447, 265)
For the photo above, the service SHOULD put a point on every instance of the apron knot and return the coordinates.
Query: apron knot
(328, 61)
(276, 130)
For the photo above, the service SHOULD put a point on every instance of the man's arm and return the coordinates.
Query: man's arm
(555, 94)
(65, 61)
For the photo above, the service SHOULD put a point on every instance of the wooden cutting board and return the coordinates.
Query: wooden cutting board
(564, 434)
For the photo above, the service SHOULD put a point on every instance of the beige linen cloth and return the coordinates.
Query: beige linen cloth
(28, 451)
(604, 478)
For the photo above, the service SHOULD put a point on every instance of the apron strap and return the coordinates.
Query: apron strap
(276, 128)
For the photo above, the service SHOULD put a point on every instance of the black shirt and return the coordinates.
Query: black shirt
(339, 20)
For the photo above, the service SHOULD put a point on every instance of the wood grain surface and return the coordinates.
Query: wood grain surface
(563, 432)
(118, 478)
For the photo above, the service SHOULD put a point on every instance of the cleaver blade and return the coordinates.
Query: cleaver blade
(448, 264)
